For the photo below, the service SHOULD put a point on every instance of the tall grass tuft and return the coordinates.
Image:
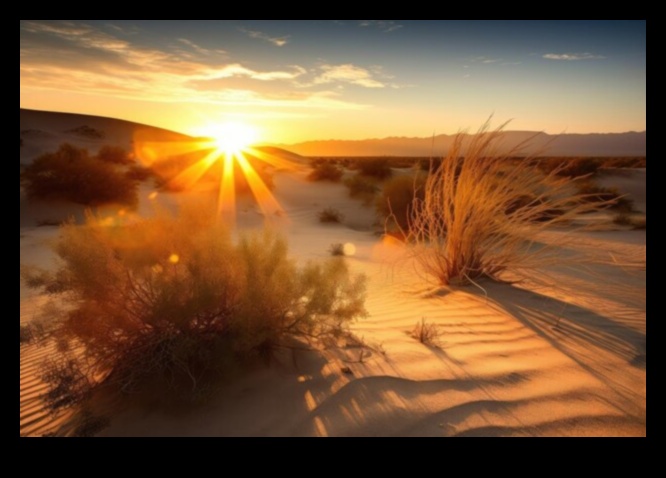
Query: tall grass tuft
(482, 212)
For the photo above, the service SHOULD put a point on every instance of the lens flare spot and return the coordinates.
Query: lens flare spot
(349, 249)
(152, 196)
(174, 258)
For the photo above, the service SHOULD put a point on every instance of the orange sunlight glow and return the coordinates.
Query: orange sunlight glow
(231, 136)
(225, 150)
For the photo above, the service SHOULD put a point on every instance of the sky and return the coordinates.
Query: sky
(349, 79)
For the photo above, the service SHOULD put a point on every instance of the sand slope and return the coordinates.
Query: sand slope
(527, 361)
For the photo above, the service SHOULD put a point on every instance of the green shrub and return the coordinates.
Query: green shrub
(71, 174)
(325, 171)
(171, 305)
(394, 203)
(378, 168)
(330, 215)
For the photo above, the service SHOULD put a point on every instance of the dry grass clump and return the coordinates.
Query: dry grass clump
(330, 215)
(473, 220)
(167, 306)
(326, 171)
(337, 249)
(427, 334)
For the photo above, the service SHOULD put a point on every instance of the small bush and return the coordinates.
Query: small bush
(376, 168)
(394, 203)
(326, 171)
(427, 334)
(26, 334)
(589, 191)
(330, 215)
(71, 174)
(48, 222)
(171, 305)
(138, 173)
(114, 155)
(361, 188)
(337, 249)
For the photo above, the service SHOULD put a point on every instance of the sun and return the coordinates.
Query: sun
(231, 136)
(233, 146)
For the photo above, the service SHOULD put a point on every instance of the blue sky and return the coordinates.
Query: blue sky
(303, 80)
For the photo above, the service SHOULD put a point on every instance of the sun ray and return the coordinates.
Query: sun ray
(267, 202)
(271, 159)
(192, 174)
(174, 159)
(226, 204)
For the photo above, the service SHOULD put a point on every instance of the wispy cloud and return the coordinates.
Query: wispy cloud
(96, 62)
(572, 56)
(348, 73)
(383, 25)
(277, 41)
(485, 60)
(236, 69)
(199, 49)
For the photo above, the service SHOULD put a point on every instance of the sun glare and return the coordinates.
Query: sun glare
(231, 136)
(227, 144)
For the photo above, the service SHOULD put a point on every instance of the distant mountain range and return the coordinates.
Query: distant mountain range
(596, 144)
(44, 131)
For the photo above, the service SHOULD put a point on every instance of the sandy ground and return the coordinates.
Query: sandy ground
(534, 360)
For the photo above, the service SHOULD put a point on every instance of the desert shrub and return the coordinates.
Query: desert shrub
(86, 132)
(172, 305)
(472, 221)
(325, 171)
(138, 173)
(427, 334)
(571, 167)
(395, 201)
(337, 249)
(71, 174)
(361, 188)
(26, 334)
(589, 191)
(378, 168)
(330, 215)
(114, 155)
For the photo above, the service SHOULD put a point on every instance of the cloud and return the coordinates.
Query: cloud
(384, 25)
(236, 69)
(572, 56)
(199, 49)
(277, 41)
(74, 57)
(347, 73)
(485, 60)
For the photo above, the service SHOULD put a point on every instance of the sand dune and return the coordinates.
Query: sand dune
(519, 361)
